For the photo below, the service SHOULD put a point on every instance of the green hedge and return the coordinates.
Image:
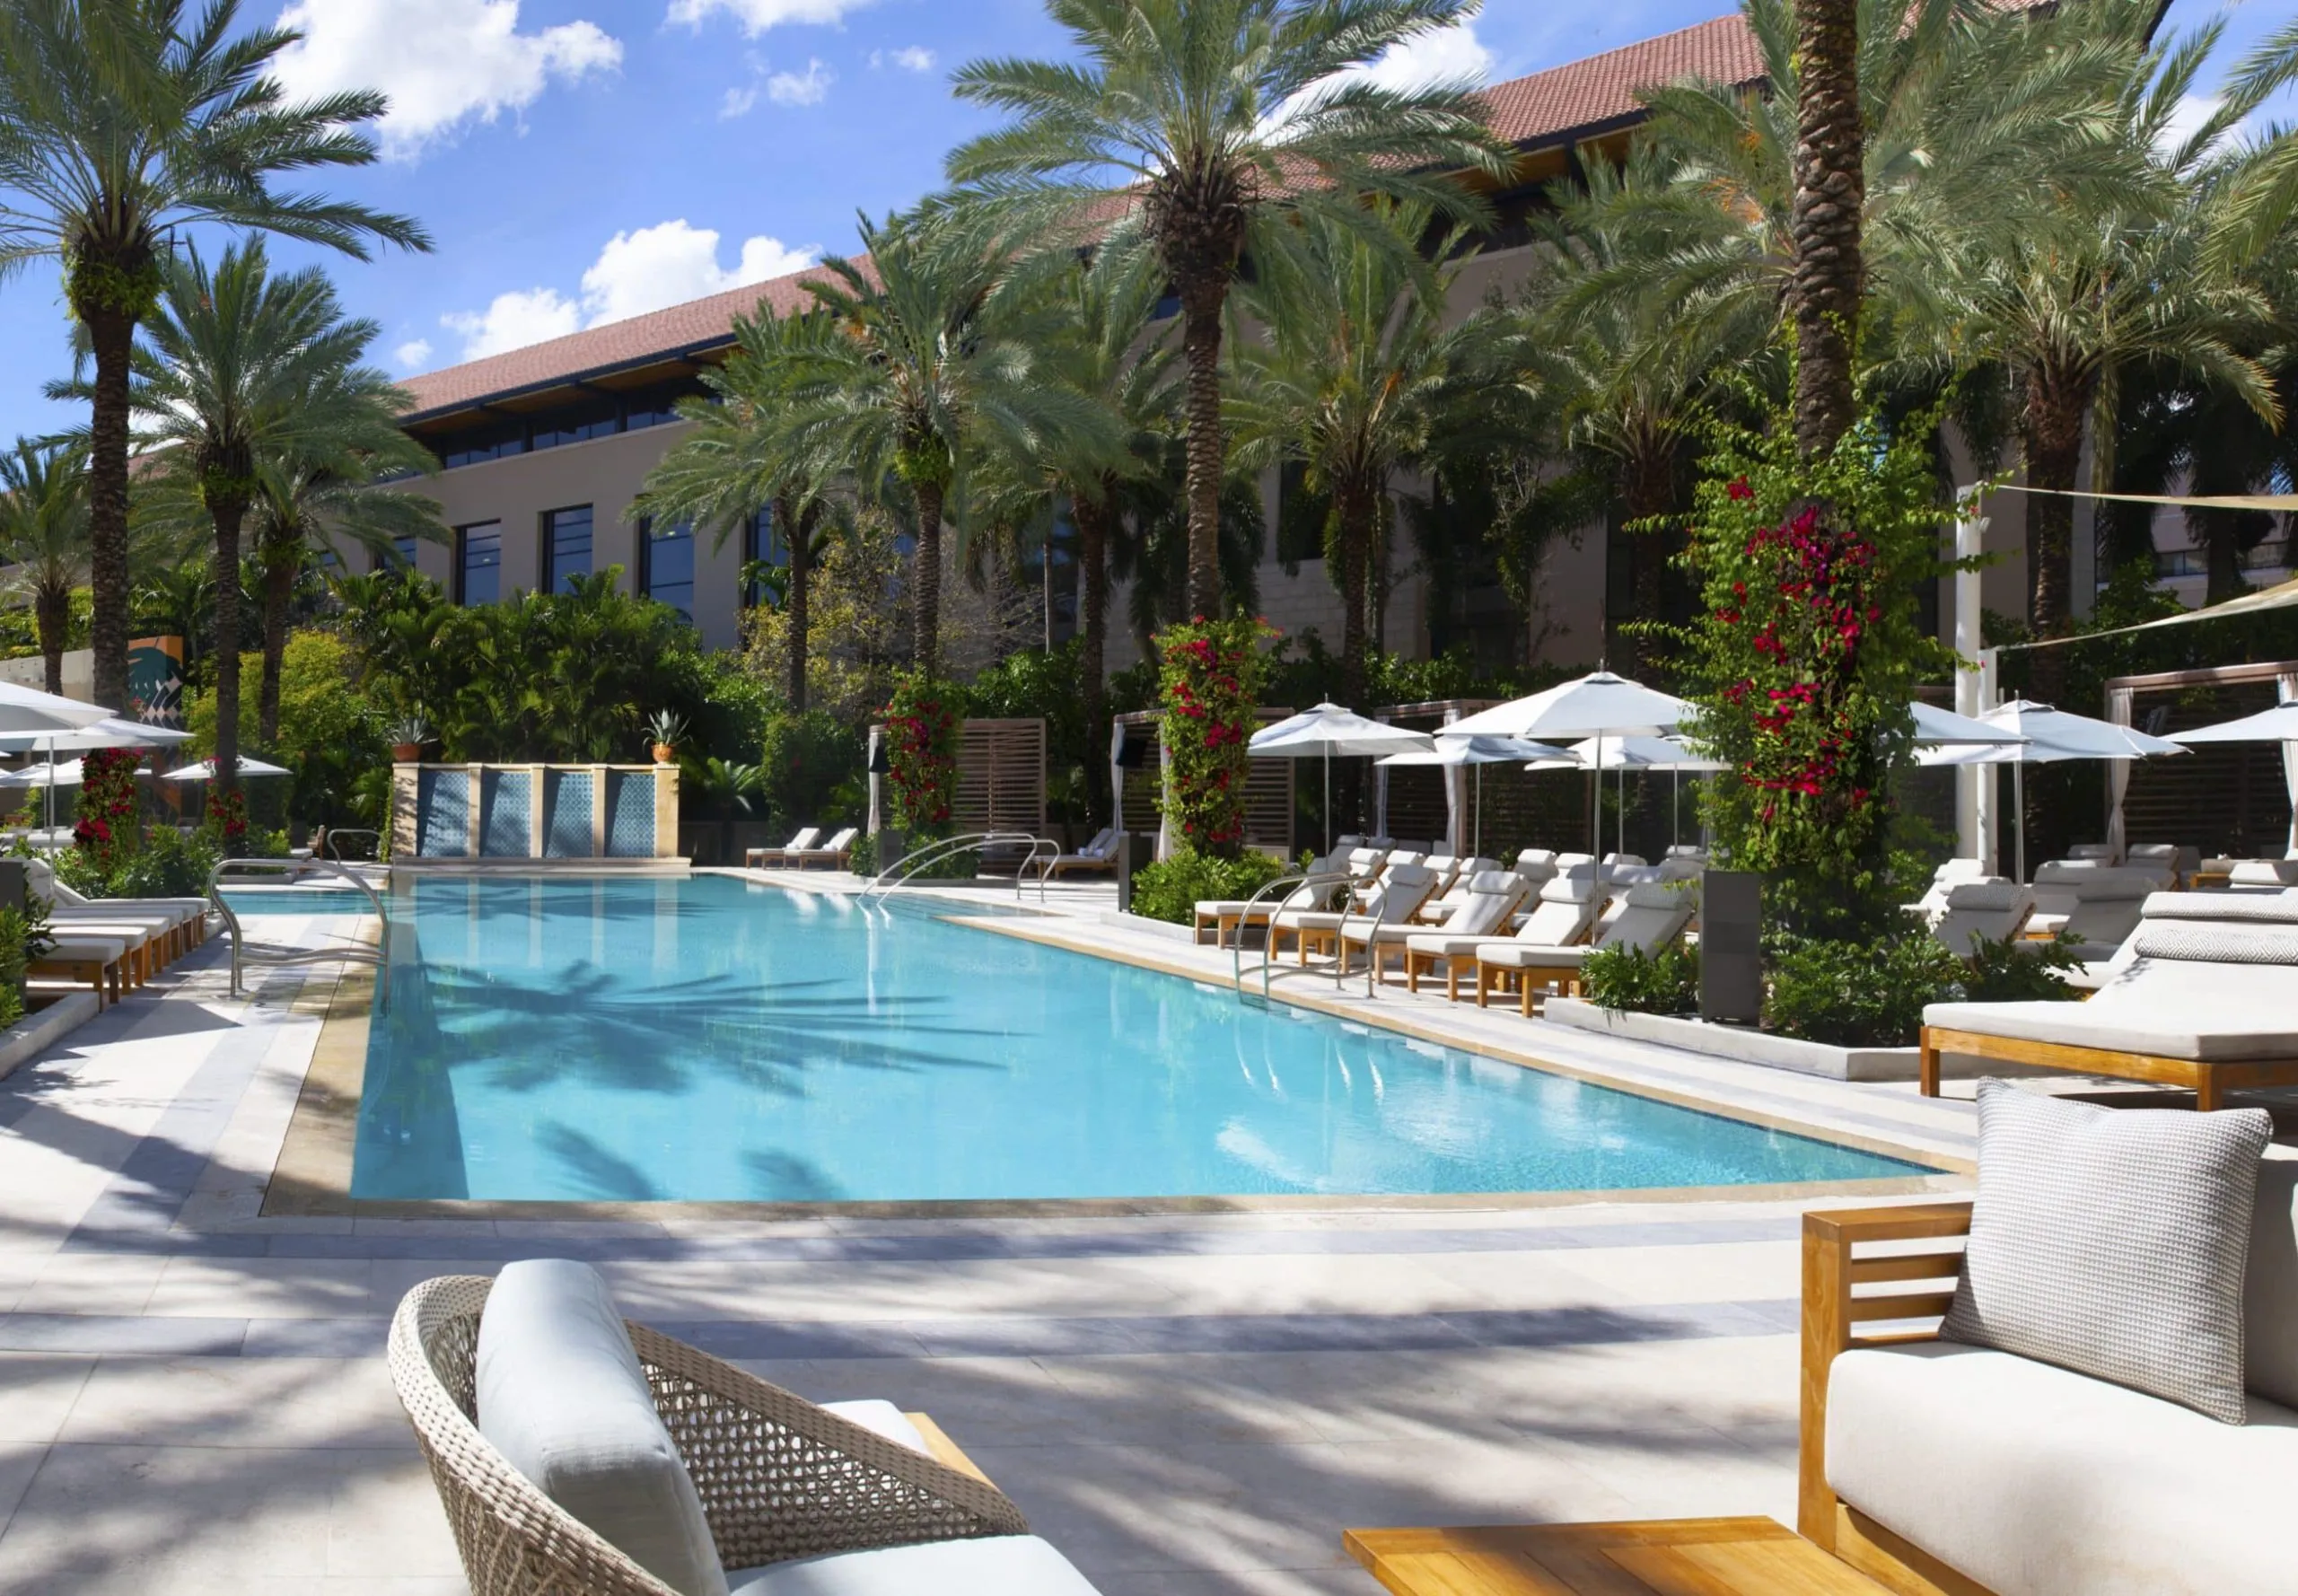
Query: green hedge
(1170, 888)
(1627, 978)
(1872, 994)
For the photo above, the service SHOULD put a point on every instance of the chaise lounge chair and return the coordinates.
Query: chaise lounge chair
(758, 858)
(2204, 995)
(1325, 875)
(1652, 915)
(1401, 889)
(1492, 897)
(1994, 910)
(1101, 854)
(1453, 892)
(1564, 911)
(834, 852)
(2093, 905)
(662, 1470)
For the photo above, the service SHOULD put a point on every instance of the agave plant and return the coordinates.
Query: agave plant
(409, 731)
(668, 730)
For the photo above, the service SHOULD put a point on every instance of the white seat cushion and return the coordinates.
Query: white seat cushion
(561, 1396)
(2222, 1029)
(990, 1565)
(880, 1417)
(1517, 955)
(2035, 1481)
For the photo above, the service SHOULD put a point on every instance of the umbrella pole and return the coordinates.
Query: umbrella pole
(2018, 797)
(1327, 799)
(1476, 843)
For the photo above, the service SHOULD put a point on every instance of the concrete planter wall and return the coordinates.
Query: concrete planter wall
(1744, 1046)
(42, 1030)
(534, 811)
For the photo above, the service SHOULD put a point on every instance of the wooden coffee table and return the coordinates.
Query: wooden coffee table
(1752, 1557)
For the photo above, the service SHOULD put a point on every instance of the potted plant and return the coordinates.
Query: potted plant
(668, 731)
(408, 735)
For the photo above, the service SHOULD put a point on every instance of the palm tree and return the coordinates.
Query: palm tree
(235, 356)
(1826, 281)
(2263, 198)
(735, 461)
(1357, 378)
(122, 120)
(44, 537)
(1189, 126)
(922, 354)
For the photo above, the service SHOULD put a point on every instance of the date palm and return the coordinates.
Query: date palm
(232, 360)
(1826, 279)
(122, 120)
(1358, 377)
(1190, 127)
(922, 354)
(44, 537)
(736, 461)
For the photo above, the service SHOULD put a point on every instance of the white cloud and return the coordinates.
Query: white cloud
(737, 103)
(917, 57)
(2193, 111)
(441, 62)
(756, 16)
(636, 272)
(671, 263)
(412, 353)
(1449, 55)
(514, 321)
(809, 88)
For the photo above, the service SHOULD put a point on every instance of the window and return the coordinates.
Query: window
(762, 547)
(406, 548)
(565, 547)
(478, 563)
(666, 566)
(400, 558)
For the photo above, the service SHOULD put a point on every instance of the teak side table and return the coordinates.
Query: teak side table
(1750, 1556)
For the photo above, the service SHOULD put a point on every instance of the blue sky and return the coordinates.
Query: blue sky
(581, 161)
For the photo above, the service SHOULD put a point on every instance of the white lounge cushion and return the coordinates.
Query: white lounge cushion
(987, 1565)
(2213, 1032)
(561, 1396)
(2035, 1481)
(881, 1417)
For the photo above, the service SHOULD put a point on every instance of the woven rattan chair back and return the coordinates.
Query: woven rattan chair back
(780, 1477)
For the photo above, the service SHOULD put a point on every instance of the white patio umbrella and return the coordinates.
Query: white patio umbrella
(28, 709)
(1599, 704)
(1624, 754)
(50, 774)
(204, 770)
(1479, 752)
(2278, 725)
(1327, 729)
(2052, 735)
(1942, 728)
(109, 731)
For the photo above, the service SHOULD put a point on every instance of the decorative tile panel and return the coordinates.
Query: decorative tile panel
(630, 814)
(505, 814)
(567, 815)
(442, 814)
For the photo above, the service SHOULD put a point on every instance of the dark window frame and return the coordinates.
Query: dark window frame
(548, 526)
(647, 553)
(462, 561)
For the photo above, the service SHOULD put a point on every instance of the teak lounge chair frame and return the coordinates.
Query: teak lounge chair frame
(2209, 1079)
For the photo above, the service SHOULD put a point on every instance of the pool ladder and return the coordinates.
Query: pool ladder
(1289, 884)
(245, 952)
(897, 875)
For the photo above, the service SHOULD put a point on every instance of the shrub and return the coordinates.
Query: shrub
(1626, 979)
(2015, 971)
(863, 858)
(1209, 686)
(1862, 993)
(923, 721)
(1170, 888)
(170, 864)
(107, 828)
(23, 937)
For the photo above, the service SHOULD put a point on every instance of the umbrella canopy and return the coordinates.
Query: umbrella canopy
(1632, 753)
(1936, 728)
(66, 774)
(204, 770)
(1598, 705)
(1328, 730)
(27, 709)
(1479, 750)
(109, 732)
(2051, 735)
(2278, 725)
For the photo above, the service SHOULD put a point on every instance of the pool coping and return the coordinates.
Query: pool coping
(311, 1178)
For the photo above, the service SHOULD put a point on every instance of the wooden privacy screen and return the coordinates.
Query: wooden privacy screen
(1268, 787)
(1001, 777)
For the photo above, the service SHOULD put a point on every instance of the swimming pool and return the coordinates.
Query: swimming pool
(702, 1038)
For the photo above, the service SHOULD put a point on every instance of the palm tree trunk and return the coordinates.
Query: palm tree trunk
(797, 531)
(278, 590)
(111, 336)
(1091, 518)
(1830, 192)
(1201, 302)
(925, 617)
(52, 618)
(2051, 436)
(227, 517)
(1647, 491)
(1354, 504)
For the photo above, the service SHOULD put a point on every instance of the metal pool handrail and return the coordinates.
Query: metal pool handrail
(896, 875)
(1328, 880)
(244, 952)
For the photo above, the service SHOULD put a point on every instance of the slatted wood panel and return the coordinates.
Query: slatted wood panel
(1001, 777)
(1268, 787)
(2226, 798)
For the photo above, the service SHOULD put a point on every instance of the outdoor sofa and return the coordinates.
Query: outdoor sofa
(1940, 1467)
(576, 1451)
(2204, 995)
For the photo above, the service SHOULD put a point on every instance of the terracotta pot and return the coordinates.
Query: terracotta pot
(665, 754)
(406, 753)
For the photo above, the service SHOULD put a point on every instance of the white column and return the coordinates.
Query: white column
(1970, 780)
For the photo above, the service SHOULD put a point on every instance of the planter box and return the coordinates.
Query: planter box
(1742, 1045)
(42, 1030)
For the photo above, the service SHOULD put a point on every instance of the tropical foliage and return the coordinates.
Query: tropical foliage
(922, 720)
(1208, 687)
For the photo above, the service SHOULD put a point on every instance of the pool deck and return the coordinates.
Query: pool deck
(195, 1398)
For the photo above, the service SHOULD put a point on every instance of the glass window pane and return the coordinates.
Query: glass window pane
(566, 547)
(668, 563)
(762, 546)
(480, 571)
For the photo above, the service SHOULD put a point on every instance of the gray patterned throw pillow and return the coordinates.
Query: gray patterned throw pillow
(2113, 1242)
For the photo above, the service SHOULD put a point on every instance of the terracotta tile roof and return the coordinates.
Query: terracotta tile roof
(1537, 109)
(1543, 107)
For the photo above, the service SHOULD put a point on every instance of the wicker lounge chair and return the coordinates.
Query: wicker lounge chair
(833, 854)
(2204, 995)
(780, 1478)
(1652, 913)
(1564, 912)
(758, 858)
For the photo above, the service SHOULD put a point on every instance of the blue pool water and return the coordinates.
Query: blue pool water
(298, 900)
(702, 1038)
